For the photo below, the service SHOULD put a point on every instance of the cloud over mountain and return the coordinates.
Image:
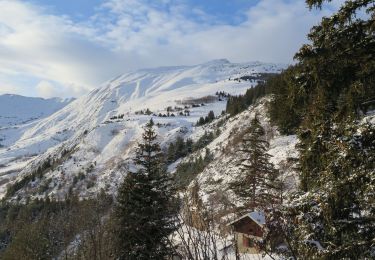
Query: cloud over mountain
(39, 46)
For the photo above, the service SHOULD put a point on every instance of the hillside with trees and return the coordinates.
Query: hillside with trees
(299, 147)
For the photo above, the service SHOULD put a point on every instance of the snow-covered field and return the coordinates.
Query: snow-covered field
(99, 131)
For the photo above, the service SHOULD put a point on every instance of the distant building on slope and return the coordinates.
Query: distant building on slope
(247, 229)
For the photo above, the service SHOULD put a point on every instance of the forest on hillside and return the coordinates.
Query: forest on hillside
(324, 99)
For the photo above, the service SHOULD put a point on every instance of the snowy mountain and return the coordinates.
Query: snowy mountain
(16, 110)
(83, 146)
(18, 113)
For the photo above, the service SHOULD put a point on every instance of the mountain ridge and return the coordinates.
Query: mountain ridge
(18, 109)
(103, 126)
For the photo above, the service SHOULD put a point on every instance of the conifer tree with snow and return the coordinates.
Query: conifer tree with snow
(337, 150)
(336, 216)
(257, 183)
(332, 214)
(145, 208)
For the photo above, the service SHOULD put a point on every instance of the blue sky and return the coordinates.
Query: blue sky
(68, 47)
(77, 9)
(228, 11)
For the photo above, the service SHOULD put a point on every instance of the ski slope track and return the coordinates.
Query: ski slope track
(90, 140)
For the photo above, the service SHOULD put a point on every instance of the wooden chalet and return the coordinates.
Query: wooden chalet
(248, 229)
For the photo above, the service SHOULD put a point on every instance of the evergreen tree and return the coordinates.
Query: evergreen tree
(211, 116)
(171, 153)
(334, 75)
(287, 105)
(187, 171)
(237, 104)
(145, 207)
(204, 140)
(180, 148)
(338, 212)
(201, 121)
(189, 146)
(257, 183)
(338, 75)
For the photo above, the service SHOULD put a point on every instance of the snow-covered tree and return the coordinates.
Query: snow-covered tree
(336, 217)
(145, 208)
(257, 183)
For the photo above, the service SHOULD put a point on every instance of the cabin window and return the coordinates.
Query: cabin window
(247, 242)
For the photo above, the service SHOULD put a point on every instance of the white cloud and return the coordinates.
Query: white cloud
(52, 48)
(6, 88)
(69, 58)
(46, 89)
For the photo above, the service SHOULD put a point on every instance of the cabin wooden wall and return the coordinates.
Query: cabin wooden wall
(249, 227)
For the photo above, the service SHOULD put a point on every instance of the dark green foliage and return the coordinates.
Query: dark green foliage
(42, 229)
(171, 153)
(44, 166)
(208, 119)
(324, 93)
(338, 75)
(287, 105)
(237, 104)
(78, 177)
(44, 186)
(210, 116)
(90, 184)
(201, 121)
(204, 140)
(181, 148)
(339, 210)
(189, 144)
(148, 112)
(187, 171)
(257, 183)
(145, 209)
(335, 73)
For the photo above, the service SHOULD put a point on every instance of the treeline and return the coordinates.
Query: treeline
(44, 166)
(181, 148)
(206, 120)
(38, 173)
(178, 149)
(187, 171)
(237, 104)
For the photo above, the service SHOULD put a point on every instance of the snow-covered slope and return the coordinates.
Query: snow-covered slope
(19, 113)
(89, 139)
(216, 178)
(16, 110)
